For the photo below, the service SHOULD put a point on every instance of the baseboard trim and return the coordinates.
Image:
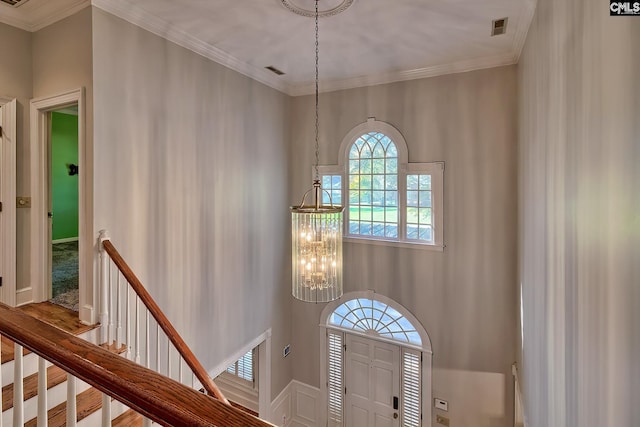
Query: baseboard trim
(24, 296)
(65, 240)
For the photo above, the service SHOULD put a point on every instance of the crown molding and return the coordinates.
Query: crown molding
(35, 20)
(399, 76)
(124, 9)
(522, 29)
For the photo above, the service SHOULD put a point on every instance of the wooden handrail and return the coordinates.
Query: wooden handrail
(157, 397)
(163, 322)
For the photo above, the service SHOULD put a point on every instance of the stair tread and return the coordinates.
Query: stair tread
(7, 350)
(88, 402)
(53, 314)
(55, 376)
(128, 419)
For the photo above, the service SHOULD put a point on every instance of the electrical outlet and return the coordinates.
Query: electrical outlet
(442, 420)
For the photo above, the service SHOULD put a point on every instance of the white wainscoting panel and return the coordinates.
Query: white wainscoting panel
(298, 405)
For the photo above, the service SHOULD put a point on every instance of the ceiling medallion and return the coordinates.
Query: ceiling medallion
(307, 8)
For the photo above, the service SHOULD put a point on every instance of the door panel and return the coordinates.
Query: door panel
(372, 379)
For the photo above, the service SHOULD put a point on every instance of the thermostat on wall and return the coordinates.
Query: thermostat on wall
(441, 404)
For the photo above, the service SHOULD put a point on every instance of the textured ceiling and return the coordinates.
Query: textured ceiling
(373, 41)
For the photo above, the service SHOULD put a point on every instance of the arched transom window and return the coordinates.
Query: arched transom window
(373, 186)
(370, 316)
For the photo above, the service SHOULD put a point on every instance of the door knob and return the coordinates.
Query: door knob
(50, 214)
(395, 415)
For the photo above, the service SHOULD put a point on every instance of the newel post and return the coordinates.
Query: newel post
(104, 288)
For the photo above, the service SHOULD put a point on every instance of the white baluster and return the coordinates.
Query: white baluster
(104, 288)
(111, 327)
(147, 362)
(180, 369)
(106, 410)
(43, 419)
(18, 387)
(71, 401)
(146, 422)
(137, 331)
(193, 380)
(157, 347)
(169, 358)
(118, 314)
(128, 355)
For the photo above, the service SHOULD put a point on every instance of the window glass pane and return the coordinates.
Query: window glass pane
(336, 182)
(365, 228)
(391, 231)
(337, 197)
(325, 198)
(365, 166)
(378, 165)
(354, 197)
(378, 182)
(391, 150)
(378, 198)
(365, 152)
(426, 233)
(412, 198)
(412, 215)
(326, 181)
(391, 182)
(354, 182)
(425, 199)
(365, 182)
(354, 213)
(378, 152)
(354, 153)
(425, 216)
(412, 232)
(425, 182)
(391, 214)
(392, 166)
(354, 227)
(391, 198)
(412, 182)
(365, 214)
(365, 197)
(354, 166)
(378, 214)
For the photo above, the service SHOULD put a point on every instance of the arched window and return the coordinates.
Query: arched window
(376, 318)
(387, 198)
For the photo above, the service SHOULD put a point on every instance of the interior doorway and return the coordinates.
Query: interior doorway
(63, 212)
(43, 215)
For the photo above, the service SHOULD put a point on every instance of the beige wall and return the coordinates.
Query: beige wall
(579, 216)
(191, 164)
(16, 82)
(464, 296)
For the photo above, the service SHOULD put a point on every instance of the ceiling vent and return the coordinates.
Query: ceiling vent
(14, 3)
(499, 26)
(274, 70)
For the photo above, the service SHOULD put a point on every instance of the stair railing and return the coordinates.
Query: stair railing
(157, 397)
(126, 322)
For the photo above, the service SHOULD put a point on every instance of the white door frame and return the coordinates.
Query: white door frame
(40, 239)
(8, 193)
(425, 350)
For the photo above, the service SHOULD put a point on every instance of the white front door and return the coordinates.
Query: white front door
(372, 380)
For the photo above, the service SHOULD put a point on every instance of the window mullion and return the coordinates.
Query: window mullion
(402, 202)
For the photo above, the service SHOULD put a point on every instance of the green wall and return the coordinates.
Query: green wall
(64, 187)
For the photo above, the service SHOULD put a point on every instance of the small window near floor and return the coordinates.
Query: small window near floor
(243, 368)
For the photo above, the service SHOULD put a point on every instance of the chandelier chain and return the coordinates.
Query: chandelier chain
(317, 98)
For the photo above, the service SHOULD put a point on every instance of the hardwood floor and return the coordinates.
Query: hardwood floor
(58, 316)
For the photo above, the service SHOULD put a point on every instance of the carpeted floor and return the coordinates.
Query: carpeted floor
(64, 278)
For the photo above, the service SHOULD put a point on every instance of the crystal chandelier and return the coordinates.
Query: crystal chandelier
(316, 236)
